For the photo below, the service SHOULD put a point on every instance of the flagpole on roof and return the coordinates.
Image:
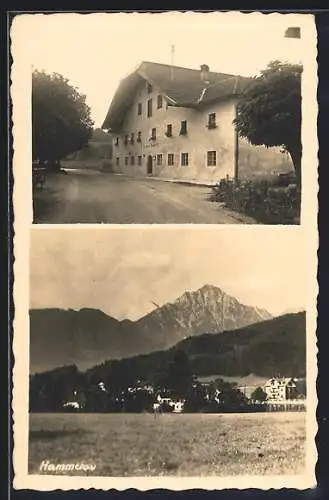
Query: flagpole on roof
(172, 61)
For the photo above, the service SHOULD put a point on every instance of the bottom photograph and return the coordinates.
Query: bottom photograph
(167, 352)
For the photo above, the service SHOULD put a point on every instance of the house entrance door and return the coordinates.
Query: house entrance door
(149, 164)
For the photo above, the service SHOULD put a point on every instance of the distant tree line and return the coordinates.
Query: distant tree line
(114, 390)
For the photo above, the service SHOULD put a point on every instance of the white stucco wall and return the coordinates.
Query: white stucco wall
(254, 161)
(261, 162)
(198, 141)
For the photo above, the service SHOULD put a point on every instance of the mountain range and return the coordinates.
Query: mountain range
(274, 347)
(89, 336)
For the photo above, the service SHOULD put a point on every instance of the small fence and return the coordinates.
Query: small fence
(286, 405)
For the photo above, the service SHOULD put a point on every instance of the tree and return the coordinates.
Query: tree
(197, 398)
(50, 390)
(179, 376)
(61, 122)
(227, 395)
(258, 395)
(100, 136)
(269, 111)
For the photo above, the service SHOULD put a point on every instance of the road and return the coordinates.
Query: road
(84, 196)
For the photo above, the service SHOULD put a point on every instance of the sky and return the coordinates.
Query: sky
(95, 51)
(122, 271)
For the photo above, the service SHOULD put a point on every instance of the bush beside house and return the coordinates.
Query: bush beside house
(267, 201)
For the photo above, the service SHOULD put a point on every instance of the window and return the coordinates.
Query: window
(126, 160)
(132, 160)
(159, 101)
(183, 128)
(153, 134)
(212, 120)
(169, 130)
(132, 138)
(139, 108)
(139, 137)
(149, 108)
(139, 160)
(149, 88)
(211, 158)
(126, 139)
(117, 141)
(118, 161)
(159, 159)
(184, 159)
(170, 159)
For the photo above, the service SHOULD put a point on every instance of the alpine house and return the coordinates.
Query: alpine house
(177, 123)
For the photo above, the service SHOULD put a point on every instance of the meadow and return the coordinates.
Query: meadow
(171, 444)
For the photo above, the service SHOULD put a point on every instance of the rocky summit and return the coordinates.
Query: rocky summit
(88, 336)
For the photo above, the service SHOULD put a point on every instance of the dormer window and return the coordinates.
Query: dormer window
(183, 128)
(132, 138)
(126, 139)
(149, 88)
(139, 137)
(117, 141)
(160, 101)
(168, 132)
(212, 120)
(153, 134)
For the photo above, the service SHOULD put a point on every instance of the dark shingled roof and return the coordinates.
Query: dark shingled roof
(186, 88)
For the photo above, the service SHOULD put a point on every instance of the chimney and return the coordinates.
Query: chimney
(205, 73)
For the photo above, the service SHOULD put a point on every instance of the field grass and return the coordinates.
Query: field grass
(171, 444)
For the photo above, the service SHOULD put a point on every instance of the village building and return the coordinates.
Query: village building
(177, 123)
(281, 389)
(176, 405)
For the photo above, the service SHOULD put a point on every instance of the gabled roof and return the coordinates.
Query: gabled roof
(181, 86)
(282, 381)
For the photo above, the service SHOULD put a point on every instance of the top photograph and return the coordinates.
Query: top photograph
(174, 118)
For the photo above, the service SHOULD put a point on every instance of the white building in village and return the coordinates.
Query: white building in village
(280, 389)
(177, 406)
(177, 123)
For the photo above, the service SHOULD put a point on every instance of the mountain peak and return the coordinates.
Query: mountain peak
(89, 334)
(205, 290)
(210, 288)
(208, 295)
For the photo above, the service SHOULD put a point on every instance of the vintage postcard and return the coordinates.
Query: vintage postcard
(164, 118)
(167, 355)
(165, 250)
